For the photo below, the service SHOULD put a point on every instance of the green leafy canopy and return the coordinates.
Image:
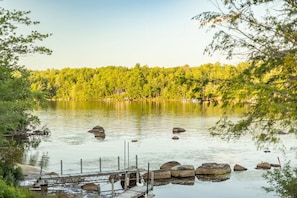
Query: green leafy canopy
(264, 33)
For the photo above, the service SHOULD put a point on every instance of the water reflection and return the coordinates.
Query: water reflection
(151, 124)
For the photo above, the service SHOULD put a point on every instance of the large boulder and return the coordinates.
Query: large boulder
(159, 174)
(213, 169)
(169, 165)
(98, 131)
(178, 130)
(183, 171)
(238, 167)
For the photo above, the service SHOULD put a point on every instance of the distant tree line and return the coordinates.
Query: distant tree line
(137, 83)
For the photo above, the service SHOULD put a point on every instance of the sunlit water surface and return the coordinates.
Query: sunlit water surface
(151, 125)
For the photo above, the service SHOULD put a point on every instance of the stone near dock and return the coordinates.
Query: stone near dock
(90, 187)
(183, 171)
(238, 167)
(263, 165)
(178, 130)
(169, 165)
(213, 169)
(159, 174)
(162, 174)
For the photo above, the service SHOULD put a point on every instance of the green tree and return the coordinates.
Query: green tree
(263, 32)
(270, 46)
(16, 97)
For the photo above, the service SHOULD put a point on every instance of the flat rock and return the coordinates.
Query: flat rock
(183, 171)
(263, 165)
(213, 169)
(178, 130)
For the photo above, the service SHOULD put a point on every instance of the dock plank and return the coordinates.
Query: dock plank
(134, 192)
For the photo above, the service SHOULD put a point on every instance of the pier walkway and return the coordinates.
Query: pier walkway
(135, 192)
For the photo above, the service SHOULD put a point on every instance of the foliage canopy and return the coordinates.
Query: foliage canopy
(267, 40)
(16, 97)
(264, 32)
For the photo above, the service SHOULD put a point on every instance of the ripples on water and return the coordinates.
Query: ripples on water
(151, 125)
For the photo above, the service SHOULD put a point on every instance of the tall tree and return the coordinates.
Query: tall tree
(268, 42)
(264, 32)
(16, 97)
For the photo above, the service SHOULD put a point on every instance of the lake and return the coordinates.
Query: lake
(151, 124)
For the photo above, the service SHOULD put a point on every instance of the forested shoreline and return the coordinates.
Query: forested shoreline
(137, 83)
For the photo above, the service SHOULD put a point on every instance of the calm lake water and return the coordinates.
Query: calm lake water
(151, 124)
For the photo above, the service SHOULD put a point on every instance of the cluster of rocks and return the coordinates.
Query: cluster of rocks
(176, 130)
(205, 172)
(176, 173)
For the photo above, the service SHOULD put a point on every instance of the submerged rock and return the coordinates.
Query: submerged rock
(213, 178)
(90, 187)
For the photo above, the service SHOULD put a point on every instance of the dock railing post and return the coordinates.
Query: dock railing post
(126, 181)
(124, 155)
(118, 162)
(137, 176)
(128, 156)
(148, 177)
(100, 164)
(41, 167)
(152, 179)
(136, 159)
(61, 167)
(99, 189)
(81, 166)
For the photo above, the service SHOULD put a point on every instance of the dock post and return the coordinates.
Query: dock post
(136, 159)
(152, 179)
(128, 156)
(124, 155)
(100, 164)
(112, 187)
(148, 177)
(118, 162)
(126, 181)
(99, 189)
(41, 167)
(81, 168)
(137, 176)
(61, 167)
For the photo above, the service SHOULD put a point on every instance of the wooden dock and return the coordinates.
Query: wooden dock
(135, 192)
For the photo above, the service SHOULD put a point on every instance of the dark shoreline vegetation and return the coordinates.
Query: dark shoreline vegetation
(138, 83)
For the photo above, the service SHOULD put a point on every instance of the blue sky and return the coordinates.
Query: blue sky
(97, 33)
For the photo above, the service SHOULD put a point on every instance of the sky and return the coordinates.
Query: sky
(98, 33)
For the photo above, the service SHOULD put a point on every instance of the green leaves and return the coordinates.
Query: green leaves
(282, 181)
